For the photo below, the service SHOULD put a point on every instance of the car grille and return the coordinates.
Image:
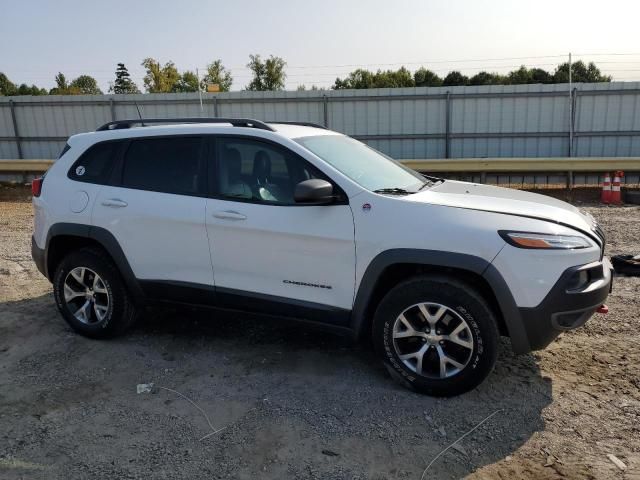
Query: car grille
(600, 233)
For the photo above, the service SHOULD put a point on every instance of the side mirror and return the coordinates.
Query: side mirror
(314, 192)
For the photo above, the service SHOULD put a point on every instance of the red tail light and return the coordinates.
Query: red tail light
(36, 186)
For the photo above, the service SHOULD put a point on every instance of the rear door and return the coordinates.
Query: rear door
(155, 208)
(268, 252)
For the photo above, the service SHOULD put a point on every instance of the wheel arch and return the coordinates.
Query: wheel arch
(390, 267)
(64, 238)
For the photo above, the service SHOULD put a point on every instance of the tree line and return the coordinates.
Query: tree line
(361, 78)
(269, 74)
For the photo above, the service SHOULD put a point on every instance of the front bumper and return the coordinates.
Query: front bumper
(39, 257)
(566, 307)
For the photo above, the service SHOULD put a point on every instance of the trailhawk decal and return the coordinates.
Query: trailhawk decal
(305, 284)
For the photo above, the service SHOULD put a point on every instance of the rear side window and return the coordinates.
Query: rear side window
(168, 165)
(94, 165)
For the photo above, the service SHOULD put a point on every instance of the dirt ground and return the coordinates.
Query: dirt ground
(294, 403)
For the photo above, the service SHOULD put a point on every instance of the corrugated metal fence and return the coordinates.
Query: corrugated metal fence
(405, 123)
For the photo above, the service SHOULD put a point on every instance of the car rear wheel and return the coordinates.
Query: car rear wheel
(91, 295)
(436, 335)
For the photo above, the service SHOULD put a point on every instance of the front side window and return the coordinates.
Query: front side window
(362, 164)
(168, 165)
(257, 171)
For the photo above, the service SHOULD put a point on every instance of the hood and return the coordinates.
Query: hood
(509, 201)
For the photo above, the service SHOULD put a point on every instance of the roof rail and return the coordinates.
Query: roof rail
(302, 124)
(236, 122)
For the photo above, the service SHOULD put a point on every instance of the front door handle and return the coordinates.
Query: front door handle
(229, 215)
(114, 202)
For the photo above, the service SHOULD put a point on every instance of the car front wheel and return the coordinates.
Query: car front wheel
(436, 335)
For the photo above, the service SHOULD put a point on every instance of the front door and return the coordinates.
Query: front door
(266, 249)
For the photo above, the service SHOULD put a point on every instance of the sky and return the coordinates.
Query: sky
(319, 40)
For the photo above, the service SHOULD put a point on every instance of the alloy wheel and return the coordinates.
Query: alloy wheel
(432, 340)
(86, 295)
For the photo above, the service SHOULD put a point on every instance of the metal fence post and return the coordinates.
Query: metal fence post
(570, 111)
(15, 128)
(574, 104)
(447, 126)
(112, 108)
(325, 110)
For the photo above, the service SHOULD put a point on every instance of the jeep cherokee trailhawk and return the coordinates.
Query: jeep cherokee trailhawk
(297, 221)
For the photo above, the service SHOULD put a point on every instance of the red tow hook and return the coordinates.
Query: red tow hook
(602, 309)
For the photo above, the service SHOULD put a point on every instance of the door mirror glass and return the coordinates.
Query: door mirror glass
(314, 191)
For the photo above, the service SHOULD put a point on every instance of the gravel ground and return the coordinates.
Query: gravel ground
(294, 403)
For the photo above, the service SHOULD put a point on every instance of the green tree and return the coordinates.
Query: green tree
(303, 87)
(394, 79)
(25, 89)
(579, 73)
(361, 78)
(525, 75)
(486, 78)
(62, 86)
(7, 87)
(217, 74)
(538, 75)
(159, 79)
(268, 74)
(426, 78)
(455, 78)
(123, 82)
(85, 85)
(188, 82)
(520, 76)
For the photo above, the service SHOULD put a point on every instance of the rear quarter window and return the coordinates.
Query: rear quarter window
(94, 165)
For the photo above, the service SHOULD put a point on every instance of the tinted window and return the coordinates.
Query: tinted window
(258, 171)
(95, 164)
(169, 165)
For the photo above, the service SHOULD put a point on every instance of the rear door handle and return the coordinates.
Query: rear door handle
(114, 202)
(229, 215)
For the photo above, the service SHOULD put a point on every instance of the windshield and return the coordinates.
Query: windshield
(364, 165)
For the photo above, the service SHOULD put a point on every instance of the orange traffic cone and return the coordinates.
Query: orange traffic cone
(606, 189)
(616, 196)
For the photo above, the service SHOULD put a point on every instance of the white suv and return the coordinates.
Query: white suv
(297, 221)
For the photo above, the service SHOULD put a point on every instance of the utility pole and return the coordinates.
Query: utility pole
(199, 91)
(570, 111)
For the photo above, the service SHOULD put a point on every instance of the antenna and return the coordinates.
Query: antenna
(139, 114)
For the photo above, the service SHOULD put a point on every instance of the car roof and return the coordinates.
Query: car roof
(290, 131)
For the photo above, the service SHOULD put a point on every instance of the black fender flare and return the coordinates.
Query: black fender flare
(106, 240)
(438, 258)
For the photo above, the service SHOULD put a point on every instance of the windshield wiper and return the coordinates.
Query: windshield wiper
(431, 182)
(393, 191)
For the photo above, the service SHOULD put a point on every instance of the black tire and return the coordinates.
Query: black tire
(458, 298)
(120, 313)
(632, 196)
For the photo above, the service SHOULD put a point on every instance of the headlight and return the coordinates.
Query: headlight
(544, 241)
